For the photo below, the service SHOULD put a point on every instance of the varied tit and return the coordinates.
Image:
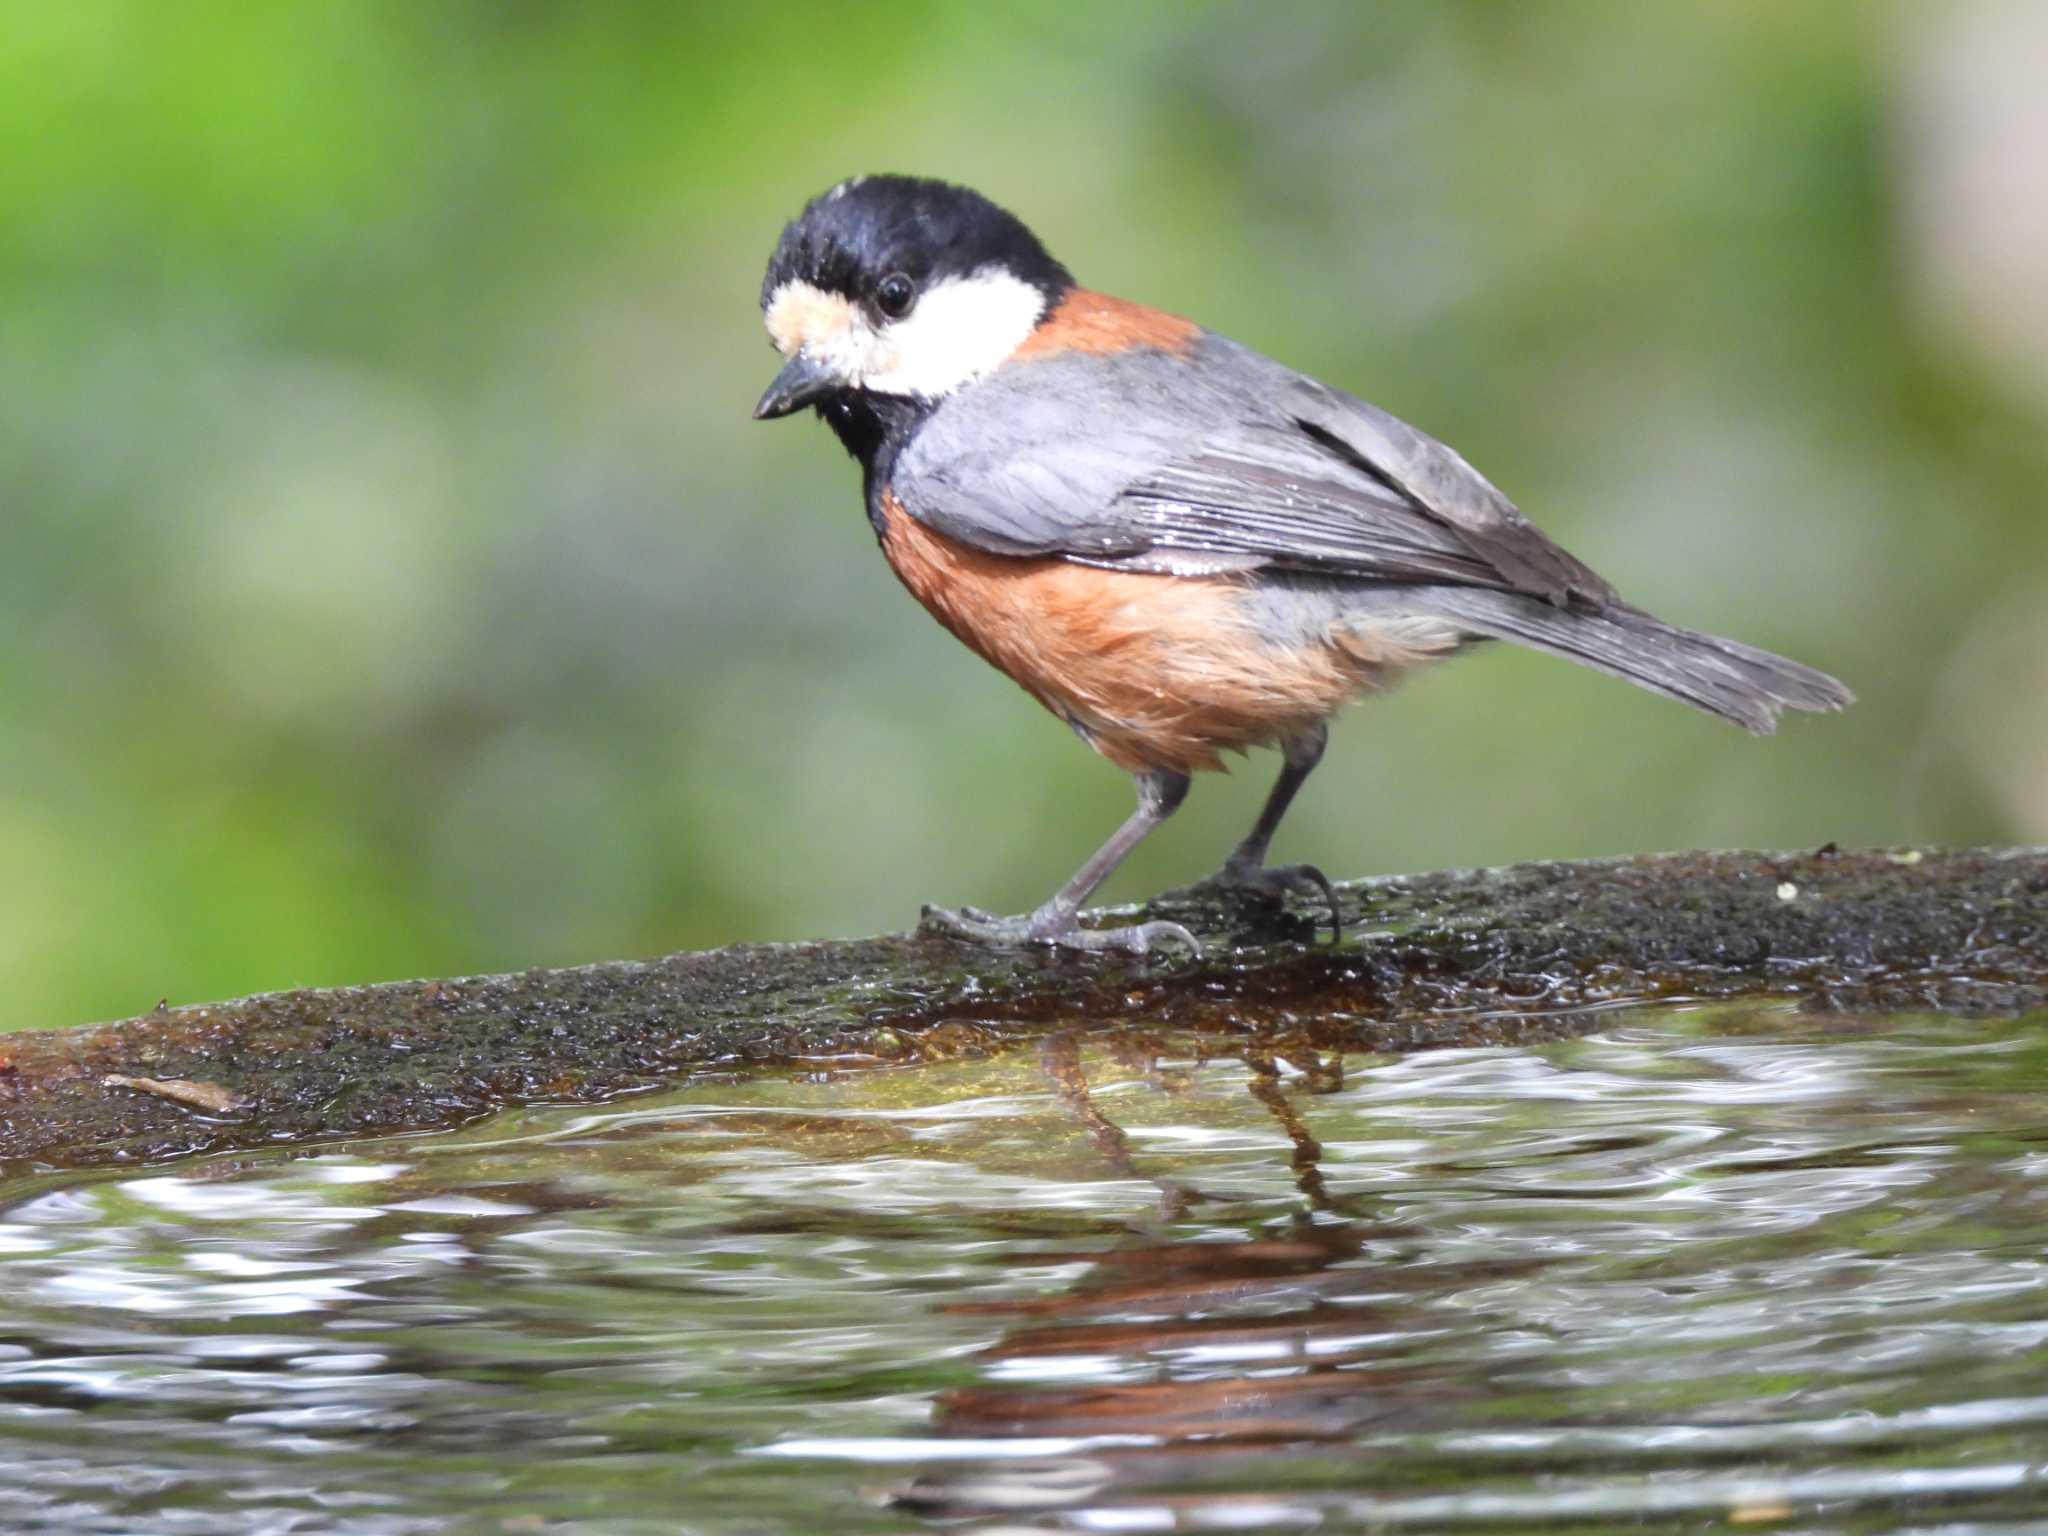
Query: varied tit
(1178, 546)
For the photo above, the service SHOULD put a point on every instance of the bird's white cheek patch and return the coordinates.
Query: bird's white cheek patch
(962, 328)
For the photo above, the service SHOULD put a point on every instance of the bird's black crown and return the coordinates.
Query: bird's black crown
(848, 239)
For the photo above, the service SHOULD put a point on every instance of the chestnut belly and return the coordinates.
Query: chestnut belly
(1154, 671)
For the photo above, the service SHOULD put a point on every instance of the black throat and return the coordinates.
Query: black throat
(875, 430)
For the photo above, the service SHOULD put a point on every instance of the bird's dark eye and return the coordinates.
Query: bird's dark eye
(894, 295)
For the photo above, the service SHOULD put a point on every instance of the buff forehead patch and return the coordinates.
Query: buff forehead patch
(801, 315)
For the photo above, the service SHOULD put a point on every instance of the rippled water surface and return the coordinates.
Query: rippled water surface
(1704, 1266)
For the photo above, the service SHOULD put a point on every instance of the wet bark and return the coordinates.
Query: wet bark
(1457, 958)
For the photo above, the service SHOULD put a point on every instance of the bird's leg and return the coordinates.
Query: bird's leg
(1159, 796)
(1246, 868)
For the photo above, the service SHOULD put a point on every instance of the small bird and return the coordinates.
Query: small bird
(1177, 545)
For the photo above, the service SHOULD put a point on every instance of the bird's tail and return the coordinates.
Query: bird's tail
(1740, 683)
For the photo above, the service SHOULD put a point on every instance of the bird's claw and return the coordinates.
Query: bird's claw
(977, 926)
(1276, 882)
(1136, 939)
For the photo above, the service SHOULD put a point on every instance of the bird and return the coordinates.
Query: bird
(1179, 546)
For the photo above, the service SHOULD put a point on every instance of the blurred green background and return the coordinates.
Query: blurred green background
(391, 581)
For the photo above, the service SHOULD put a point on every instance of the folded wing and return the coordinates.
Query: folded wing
(1222, 460)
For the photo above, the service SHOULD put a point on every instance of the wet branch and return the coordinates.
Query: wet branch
(1455, 958)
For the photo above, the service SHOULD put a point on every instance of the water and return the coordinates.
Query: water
(1706, 1266)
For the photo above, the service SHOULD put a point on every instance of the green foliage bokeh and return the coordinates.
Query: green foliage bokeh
(392, 583)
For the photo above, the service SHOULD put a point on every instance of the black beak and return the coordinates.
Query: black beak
(803, 381)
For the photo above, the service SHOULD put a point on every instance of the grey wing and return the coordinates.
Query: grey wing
(1438, 479)
(1222, 461)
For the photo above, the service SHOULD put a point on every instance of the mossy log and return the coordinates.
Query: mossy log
(1508, 955)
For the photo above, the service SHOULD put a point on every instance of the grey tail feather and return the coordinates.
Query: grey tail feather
(1737, 682)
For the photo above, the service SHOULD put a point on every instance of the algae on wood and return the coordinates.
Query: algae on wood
(1456, 958)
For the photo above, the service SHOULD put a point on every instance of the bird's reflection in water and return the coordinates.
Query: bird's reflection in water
(1175, 1360)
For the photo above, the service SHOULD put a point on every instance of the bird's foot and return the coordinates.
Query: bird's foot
(979, 927)
(1274, 883)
